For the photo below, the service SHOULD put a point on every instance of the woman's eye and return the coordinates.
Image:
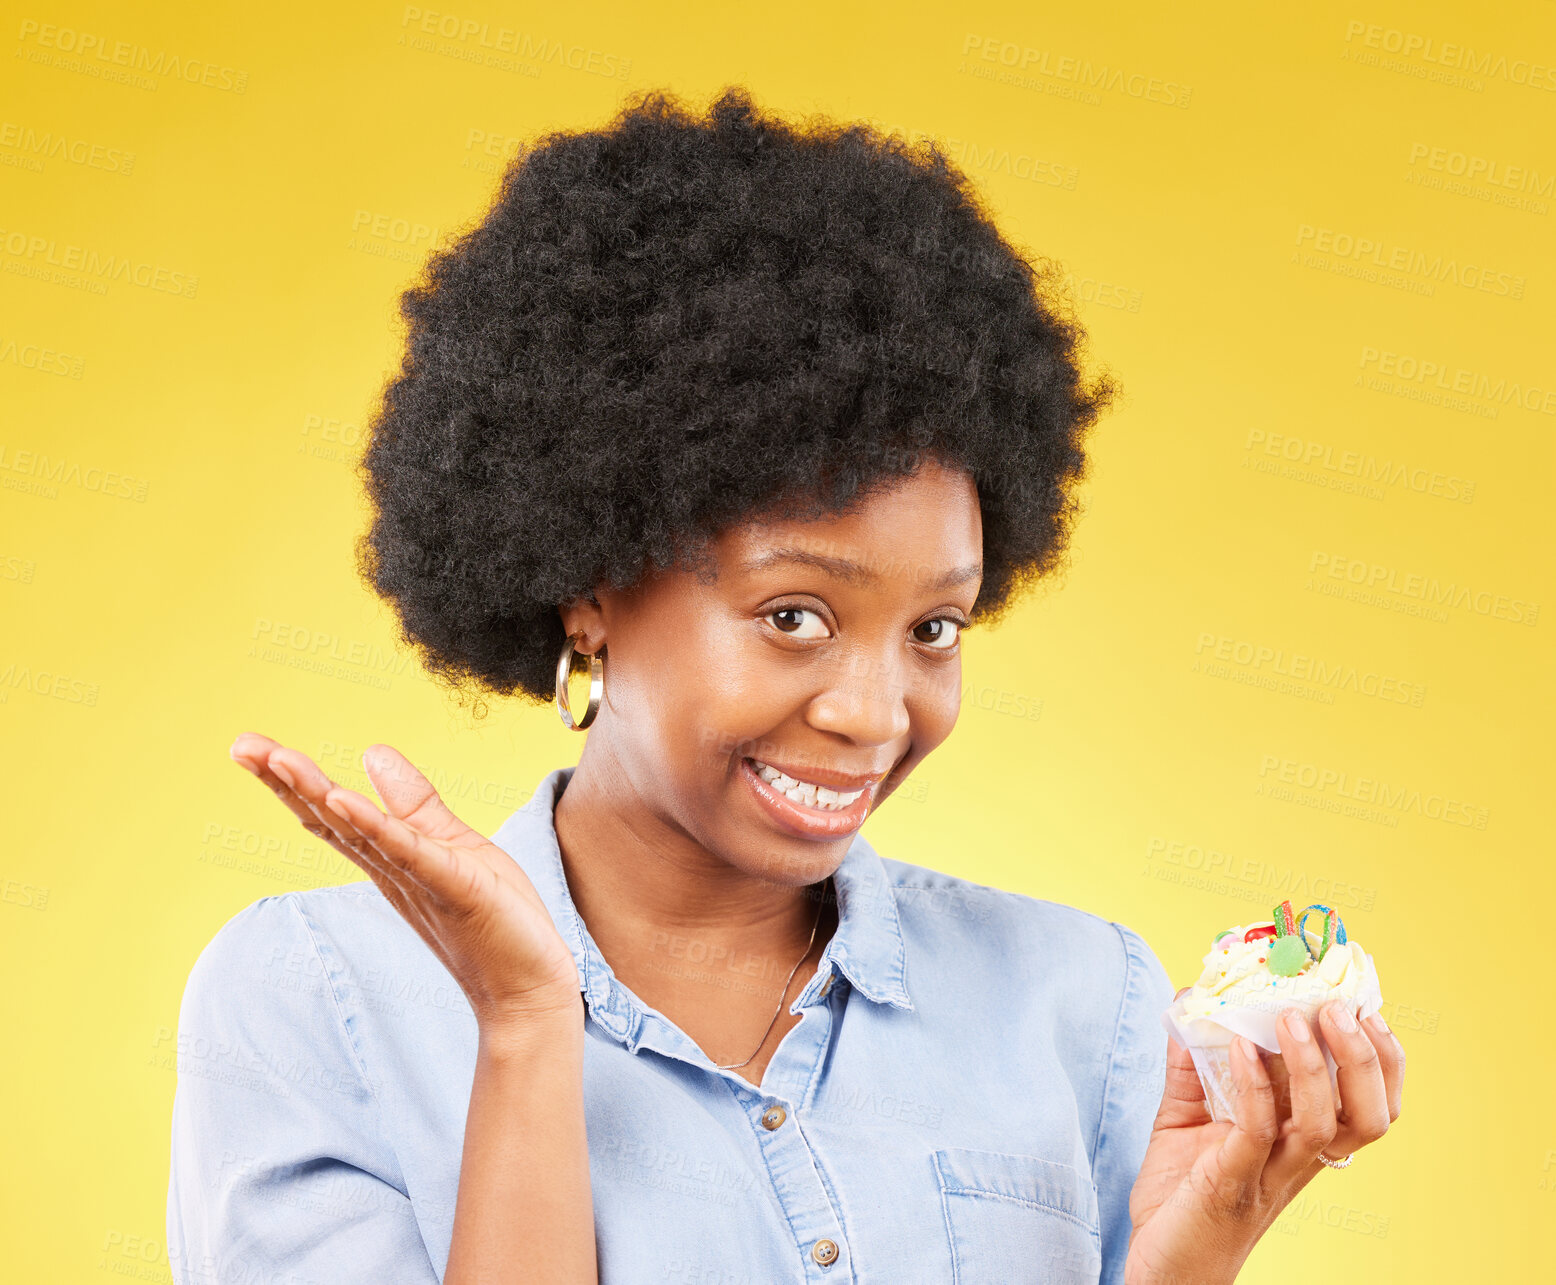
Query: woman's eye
(944, 633)
(791, 621)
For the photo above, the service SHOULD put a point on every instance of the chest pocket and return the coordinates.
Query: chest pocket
(1012, 1218)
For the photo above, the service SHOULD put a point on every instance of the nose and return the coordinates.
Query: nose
(866, 701)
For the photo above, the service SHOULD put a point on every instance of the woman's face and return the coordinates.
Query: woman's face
(827, 650)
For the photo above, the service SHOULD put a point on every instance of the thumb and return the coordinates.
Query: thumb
(407, 794)
(1183, 1095)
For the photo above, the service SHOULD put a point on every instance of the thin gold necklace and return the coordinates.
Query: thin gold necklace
(735, 1066)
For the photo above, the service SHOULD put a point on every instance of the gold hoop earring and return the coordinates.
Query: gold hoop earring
(564, 667)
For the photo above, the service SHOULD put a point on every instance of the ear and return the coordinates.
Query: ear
(584, 616)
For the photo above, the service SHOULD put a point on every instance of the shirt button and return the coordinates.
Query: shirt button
(824, 1252)
(773, 1117)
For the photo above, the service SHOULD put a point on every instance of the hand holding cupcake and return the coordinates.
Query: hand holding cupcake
(1278, 1065)
(1254, 972)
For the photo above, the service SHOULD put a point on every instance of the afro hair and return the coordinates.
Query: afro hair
(676, 323)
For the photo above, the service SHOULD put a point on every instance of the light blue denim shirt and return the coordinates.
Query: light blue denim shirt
(966, 1098)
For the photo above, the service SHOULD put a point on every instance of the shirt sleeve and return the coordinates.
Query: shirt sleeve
(1137, 1074)
(279, 1170)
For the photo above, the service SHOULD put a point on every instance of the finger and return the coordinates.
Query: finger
(409, 795)
(408, 897)
(252, 751)
(1183, 1095)
(309, 785)
(1312, 1125)
(400, 886)
(453, 878)
(1391, 1054)
(306, 785)
(1364, 1106)
(1231, 1174)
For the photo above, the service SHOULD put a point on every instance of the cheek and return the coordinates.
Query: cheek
(936, 704)
(707, 691)
(742, 693)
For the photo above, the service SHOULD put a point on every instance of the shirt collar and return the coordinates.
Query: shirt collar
(867, 946)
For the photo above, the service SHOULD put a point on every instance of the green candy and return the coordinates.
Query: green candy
(1286, 956)
(1222, 934)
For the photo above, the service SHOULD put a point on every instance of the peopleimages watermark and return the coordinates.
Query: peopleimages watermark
(1367, 257)
(13, 892)
(1332, 676)
(1305, 460)
(1456, 379)
(43, 681)
(1474, 168)
(1024, 64)
(991, 158)
(1480, 178)
(325, 652)
(1427, 589)
(1248, 878)
(505, 48)
(39, 359)
(109, 59)
(34, 146)
(1366, 790)
(1306, 1208)
(44, 474)
(1451, 55)
(36, 255)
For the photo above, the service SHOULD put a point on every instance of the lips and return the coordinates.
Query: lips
(800, 819)
(803, 792)
(842, 782)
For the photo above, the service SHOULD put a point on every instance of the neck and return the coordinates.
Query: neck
(651, 894)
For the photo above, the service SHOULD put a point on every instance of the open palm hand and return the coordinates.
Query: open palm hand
(464, 896)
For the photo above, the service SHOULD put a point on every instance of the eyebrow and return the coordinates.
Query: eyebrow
(854, 572)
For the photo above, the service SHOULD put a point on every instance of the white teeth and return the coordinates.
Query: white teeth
(805, 792)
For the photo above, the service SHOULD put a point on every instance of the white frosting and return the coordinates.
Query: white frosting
(1237, 994)
(1237, 973)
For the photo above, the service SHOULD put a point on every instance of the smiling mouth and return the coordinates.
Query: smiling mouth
(806, 793)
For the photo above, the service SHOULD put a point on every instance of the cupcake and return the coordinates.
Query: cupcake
(1252, 972)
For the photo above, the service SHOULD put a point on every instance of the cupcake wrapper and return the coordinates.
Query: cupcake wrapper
(1209, 1041)
(1214, 1065)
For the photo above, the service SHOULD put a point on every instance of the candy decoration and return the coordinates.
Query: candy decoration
(1334, 930)
(1285, 925)
(1264, 930)
(1288, 956)
(1229, 932)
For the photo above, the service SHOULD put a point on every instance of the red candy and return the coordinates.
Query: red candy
(1253, 934)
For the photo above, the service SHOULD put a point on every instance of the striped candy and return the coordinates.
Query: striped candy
(1334, 930)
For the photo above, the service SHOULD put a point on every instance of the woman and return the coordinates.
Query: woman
(758, 420)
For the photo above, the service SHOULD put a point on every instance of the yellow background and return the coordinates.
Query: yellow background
(179, 507)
